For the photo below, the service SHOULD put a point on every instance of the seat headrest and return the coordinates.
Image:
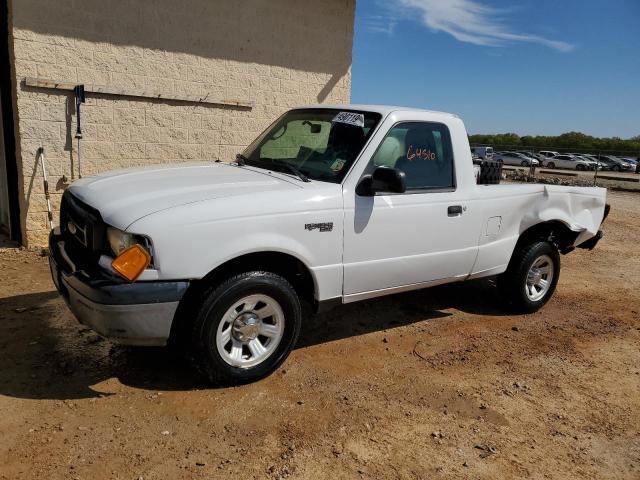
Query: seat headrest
(419, 137)
(349, 138)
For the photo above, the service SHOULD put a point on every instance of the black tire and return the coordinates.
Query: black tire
(513, 282)
(217, 300)
(551, 165)
(579, 167)
(490, 172)
(616, 168)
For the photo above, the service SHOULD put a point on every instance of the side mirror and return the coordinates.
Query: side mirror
(383, 179)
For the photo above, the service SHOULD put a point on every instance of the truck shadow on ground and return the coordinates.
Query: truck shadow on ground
(47, 355)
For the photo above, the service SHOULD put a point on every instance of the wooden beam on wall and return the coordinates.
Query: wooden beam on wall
(45, 83)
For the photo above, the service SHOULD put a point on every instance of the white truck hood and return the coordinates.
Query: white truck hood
(124, 196)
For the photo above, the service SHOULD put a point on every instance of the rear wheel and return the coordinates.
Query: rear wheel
(580, 167)
(245, 327)
(531, 277)
(551, 165)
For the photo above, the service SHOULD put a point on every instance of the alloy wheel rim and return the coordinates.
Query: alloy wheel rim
(539, 278)
(250, 331)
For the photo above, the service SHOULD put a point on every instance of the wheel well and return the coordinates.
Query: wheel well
(285, 265)
(553, 231)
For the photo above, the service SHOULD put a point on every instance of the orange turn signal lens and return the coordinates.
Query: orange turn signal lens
(132, 262)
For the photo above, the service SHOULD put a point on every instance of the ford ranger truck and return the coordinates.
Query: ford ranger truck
(329, 205)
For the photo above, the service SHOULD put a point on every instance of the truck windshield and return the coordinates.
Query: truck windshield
(321, 143)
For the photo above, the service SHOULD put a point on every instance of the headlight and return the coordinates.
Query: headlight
(119, 241)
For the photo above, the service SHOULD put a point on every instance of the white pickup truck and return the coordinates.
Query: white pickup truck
(330, 205)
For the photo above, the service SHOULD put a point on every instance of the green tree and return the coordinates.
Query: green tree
(567, 142)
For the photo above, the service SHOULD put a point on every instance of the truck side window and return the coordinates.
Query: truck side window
(422, 151)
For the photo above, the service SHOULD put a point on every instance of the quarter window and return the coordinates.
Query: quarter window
(422, 151)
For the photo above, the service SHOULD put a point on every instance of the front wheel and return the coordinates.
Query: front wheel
(616, 168)
(525, 163)
(551, 165)
(531, 277)
(245, 327)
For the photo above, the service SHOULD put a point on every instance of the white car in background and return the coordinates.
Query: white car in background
(594, 164)
(485, 153)
(516, 158)
(571, 162)
(548, 153)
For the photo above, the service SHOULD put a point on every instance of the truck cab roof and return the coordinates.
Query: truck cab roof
(384, 110)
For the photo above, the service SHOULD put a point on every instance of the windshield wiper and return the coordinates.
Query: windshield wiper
(293, 170)
(241, 159)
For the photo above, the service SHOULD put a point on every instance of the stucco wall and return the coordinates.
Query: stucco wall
(276, 53)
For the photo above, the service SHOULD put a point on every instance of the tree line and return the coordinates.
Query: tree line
(571, 141)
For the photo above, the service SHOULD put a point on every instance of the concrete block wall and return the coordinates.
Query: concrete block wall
(276, 53)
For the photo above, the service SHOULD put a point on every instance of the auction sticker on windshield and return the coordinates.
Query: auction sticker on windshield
(350, 118)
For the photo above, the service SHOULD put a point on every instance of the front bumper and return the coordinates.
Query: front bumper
(138, 313)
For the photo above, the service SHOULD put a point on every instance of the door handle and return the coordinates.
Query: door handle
(454, 210)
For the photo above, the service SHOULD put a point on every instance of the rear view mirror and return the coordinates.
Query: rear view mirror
(383, 180)
(314, 127)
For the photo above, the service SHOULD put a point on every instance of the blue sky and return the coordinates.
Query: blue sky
(535, 67)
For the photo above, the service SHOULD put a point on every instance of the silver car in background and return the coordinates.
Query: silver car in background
(616, 164)
(515, 158)
(635, 163)
(537, 156)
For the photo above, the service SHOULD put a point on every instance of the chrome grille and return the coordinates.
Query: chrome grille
(82, 229)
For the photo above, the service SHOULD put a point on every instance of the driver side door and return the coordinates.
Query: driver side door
(424, 236)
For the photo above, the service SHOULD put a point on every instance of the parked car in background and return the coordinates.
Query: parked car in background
(485, 153)
(548, 153)
(537, 156)
(616, 164)
(633, 162)
(571, 162)
(594, 158)
(593, 163)
(516, 158)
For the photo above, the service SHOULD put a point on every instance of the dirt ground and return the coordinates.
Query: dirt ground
(430, 384)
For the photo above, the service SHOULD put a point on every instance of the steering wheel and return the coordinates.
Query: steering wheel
(317, 157)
